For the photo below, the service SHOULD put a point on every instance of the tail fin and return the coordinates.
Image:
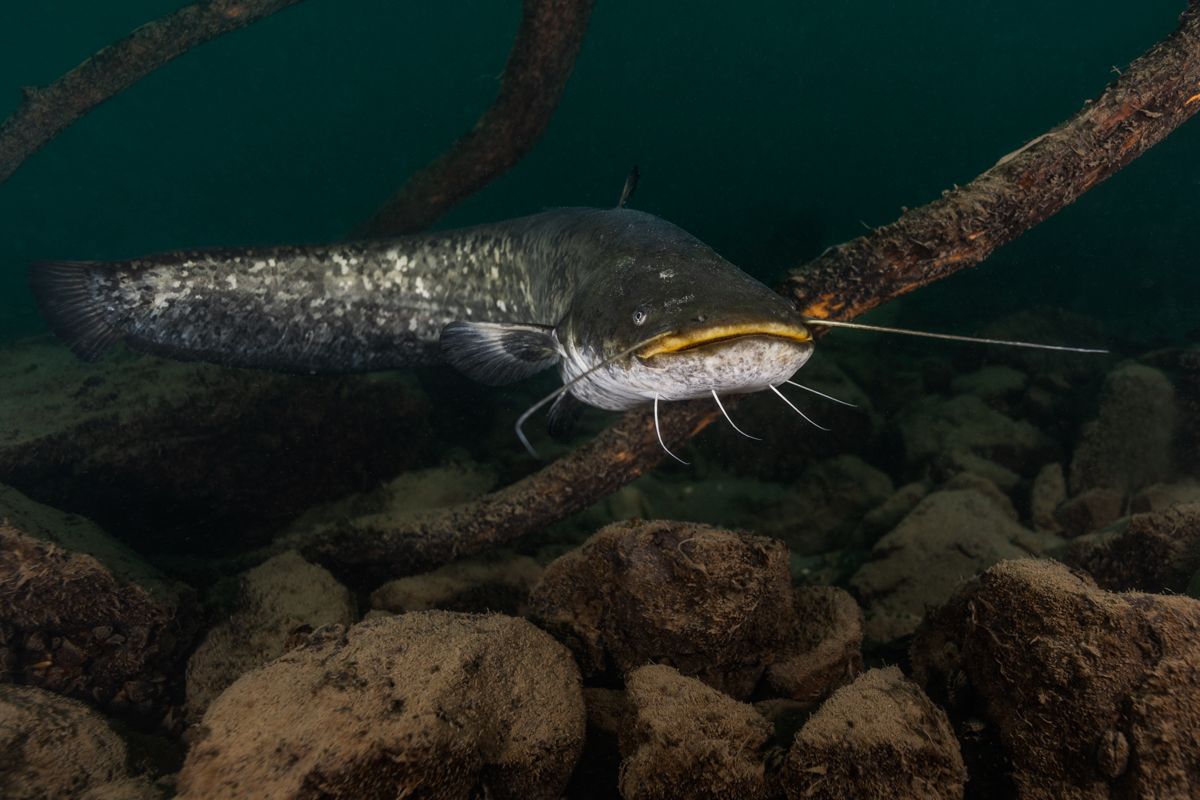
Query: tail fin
(66, 294)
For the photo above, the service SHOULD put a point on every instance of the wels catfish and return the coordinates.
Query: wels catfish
(630, 308)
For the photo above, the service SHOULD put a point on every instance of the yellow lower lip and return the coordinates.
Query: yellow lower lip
(675, 342)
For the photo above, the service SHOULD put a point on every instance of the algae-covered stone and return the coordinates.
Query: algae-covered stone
(949, 536)
(275, 600)
(878, 738)
(1130, 443)
(426, 704)
(54, 747)
(714, 604)
(1093, 695)
(686, 739)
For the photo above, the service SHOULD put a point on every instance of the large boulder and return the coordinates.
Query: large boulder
(714, 604)
(686, 739)
(877, 738)
(427, 704)
(1060, 689)
(281, 597)
(54, 747)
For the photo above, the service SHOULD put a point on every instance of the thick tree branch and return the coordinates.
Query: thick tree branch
(46, 112)
(539, 64)
(1158, 93)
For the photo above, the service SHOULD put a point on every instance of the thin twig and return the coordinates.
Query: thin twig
(47, 112)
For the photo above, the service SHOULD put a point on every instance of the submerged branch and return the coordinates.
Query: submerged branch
(539, 64)
(1155, 95)
(1158, 93)
(383, 547)
(46, 112)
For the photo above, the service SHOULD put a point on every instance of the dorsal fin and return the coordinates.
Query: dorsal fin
(631, 182)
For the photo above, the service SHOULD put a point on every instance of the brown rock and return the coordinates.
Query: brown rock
(1048, 492)
(1089, 511)
(712, 603)
(1095, 695)
(688, 740)
(281, 596)
(428, 704)
(888, 514)
(54, 747)
(826, 648)
(936, 426)
(67, 624)
(501, 584)
(1160, 496)
(949, 535)
(879, 737)
(1154, 552)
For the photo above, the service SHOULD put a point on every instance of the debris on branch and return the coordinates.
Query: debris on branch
(46, 112)
(539, 64)
(1158, 92)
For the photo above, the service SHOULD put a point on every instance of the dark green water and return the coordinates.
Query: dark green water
(769, 129)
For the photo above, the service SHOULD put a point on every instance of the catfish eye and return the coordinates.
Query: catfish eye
(639, 316)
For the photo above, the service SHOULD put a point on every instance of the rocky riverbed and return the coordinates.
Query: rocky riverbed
(982, 585)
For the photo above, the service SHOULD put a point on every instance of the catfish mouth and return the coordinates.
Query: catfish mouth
(684, 341)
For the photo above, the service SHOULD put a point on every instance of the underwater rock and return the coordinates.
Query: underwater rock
(878, 738)
(67, 624)
(80, 535)
(714, 604)
(1129, 445)
(978, 483)
(888, 514)
(500, 584)
(828, 502)
(998, 385)
(1089, 511)
(426, 704)
(1160, 496)
(946, 466)
(950, 535)
(935, 426)
(232, 453)
(826, 647)
(280, 597)
(1158, 551)
(54, 747)
(686, 739)
(1095, 695)
(1049, 490)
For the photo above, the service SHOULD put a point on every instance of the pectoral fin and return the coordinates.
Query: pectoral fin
(563, 415)
(497, 353)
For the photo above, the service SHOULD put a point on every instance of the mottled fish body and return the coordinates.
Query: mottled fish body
(572, 287)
